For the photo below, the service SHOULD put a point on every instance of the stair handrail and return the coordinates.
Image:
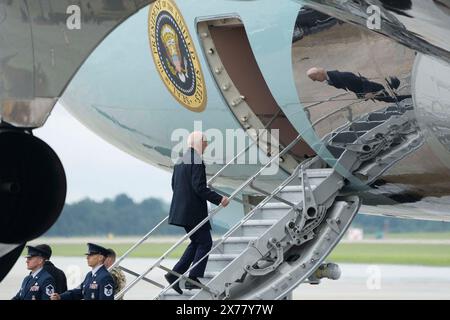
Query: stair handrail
(301, 167)
(209, 182)
(137, 244)
(211, 214)
(241, 222)
(232, 196)
(217, 174)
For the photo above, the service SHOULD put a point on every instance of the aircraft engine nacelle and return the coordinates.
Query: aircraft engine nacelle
(32, 186)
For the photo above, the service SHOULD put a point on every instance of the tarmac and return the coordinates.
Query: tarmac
(358, 281)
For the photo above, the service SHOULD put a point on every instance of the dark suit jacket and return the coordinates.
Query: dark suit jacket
(361, 85)
(58, 275)
(350, 81)
(190, 192)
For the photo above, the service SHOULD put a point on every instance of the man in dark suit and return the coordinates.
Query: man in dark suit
(189, 208)
(362, 87)
(57, 274)
(39, 284)
(98, 284)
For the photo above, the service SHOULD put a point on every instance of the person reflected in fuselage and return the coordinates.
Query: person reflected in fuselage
(362, 87)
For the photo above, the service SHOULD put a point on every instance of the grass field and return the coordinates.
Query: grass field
(411, 254)
(415, 236)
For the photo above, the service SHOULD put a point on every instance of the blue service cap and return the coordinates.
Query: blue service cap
(96, 249)
(39, 250)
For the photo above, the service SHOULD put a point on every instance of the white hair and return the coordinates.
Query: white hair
(315, 71)
(195, 140)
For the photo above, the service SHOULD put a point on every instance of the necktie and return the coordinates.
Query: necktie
(24, 289)
(28, 280)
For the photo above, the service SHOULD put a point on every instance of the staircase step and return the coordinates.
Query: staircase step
(208, 276)
(378, 117)
(347, 137)
(217, 262)
(364, 125)
(292, 189)
(262, 222)
(222, 257)
(255, 228)
(319, 173)
(293, 197)
(393, 108)
(275, 205)
(204, 280)
(236, 244)
(335, 151)
(271, 212)
(382, 116)
(407, 103)
(173, 295)
(240, 239)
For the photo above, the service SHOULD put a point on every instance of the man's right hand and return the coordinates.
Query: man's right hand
(224, 201)
(55, 296)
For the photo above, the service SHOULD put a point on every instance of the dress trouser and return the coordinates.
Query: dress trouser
(201, 243)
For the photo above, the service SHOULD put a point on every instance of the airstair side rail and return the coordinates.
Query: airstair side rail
(330, 99)
(137, 244)
(218, 208)
(347, 106)
(210, 181)
(248, 216)
(238, 225)
(218, 173)
(209, 217)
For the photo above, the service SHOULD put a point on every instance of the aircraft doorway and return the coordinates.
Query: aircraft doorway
(239, 78)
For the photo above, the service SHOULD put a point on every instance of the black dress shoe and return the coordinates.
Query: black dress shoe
(189, 285)
(171, 279)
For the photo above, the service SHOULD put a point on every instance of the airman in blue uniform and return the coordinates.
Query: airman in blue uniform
(98, 284)
(39, 284)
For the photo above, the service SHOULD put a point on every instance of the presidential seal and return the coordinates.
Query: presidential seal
(174, 55)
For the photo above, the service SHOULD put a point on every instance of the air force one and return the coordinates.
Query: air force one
(359, 91)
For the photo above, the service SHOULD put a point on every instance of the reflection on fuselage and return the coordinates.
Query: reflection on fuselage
(343, 72)
(357, 64)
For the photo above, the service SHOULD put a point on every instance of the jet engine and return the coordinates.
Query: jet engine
(32, 186)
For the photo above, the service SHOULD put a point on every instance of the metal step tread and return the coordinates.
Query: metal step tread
(319, 173)
(259, 222)
(292, 189)
(209, 275)
(275, 205)
(239, 239)
(186, 293)
(222, 257)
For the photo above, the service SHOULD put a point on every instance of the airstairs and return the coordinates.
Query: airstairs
(284, 240)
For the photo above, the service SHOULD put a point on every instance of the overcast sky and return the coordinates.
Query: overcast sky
(96, 169)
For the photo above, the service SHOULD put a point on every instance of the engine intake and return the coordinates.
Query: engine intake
(32, 187)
